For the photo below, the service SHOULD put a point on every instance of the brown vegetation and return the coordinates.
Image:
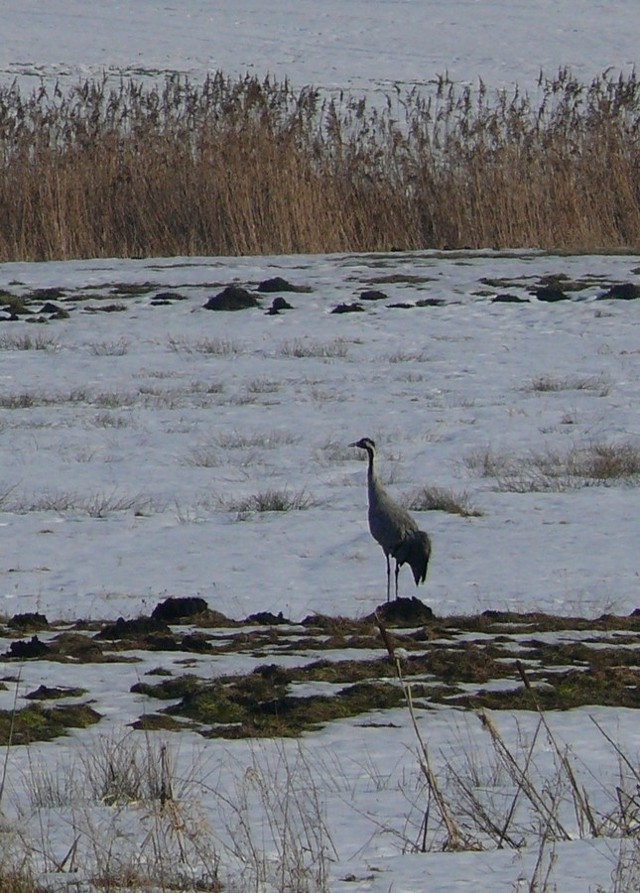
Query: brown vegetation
(594, 464)
(252, 166)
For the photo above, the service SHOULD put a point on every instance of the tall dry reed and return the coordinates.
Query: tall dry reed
(251, 166)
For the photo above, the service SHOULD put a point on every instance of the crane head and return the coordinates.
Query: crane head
(364, 444)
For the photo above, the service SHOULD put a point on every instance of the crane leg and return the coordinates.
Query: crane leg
(396, 577)
(388, 577)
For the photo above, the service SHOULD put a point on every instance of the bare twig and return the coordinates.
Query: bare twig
(454, 837)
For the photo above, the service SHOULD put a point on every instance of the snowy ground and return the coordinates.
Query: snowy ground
(127, 438)
(359, 44)
(184, 411)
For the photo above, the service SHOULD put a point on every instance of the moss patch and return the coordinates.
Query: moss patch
(45, 693)
(273, 712)
(37, 723)
(326, 668)
(614, 687)
(157, 722)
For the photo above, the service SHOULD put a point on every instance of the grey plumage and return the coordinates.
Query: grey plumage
(393, 527)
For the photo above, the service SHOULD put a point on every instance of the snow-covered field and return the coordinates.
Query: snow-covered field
(360, 44)
(185, 411)
(129, 439)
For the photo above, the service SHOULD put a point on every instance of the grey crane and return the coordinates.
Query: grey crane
(393, 527)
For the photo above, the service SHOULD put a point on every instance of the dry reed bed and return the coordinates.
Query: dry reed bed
(252, 166)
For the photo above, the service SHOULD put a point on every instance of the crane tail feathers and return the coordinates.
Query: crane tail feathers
(415, 551)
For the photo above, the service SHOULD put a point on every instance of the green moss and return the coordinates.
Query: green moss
(261, 705)
(445, 660)
(154, 722)
(73, 716)
(128, 289)
(575, 688)
(37, 723)
(169, 688)
(45, 693)
(14, 302)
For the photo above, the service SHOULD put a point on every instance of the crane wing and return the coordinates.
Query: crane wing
(414, 550)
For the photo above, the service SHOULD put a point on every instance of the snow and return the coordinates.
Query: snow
(178, 413)
(128, 416)
(359, 44)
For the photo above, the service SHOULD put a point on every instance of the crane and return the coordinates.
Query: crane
(393, 527)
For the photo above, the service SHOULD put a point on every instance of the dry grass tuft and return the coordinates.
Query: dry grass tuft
(118, 348)
(550, 383)
(272, 500)
(601, 464)
(95, 505)
(221, 347)
(303, 347)
(18, 882)
(252, 166)
(27, 341)
(439, 499)
(234, 440)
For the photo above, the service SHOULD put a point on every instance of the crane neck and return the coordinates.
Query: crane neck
(371, 472)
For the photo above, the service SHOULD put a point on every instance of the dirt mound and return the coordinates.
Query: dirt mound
(177, 608)
(405, 612)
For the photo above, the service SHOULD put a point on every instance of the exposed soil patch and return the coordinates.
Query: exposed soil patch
(405, 612)
(173, 609)
(277, 283)
(233, 297)
(30, 621)
(39, 304)
(141, 629)
(46, 693)
(303, 675)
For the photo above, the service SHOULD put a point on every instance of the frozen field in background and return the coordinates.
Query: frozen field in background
(359, 44)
